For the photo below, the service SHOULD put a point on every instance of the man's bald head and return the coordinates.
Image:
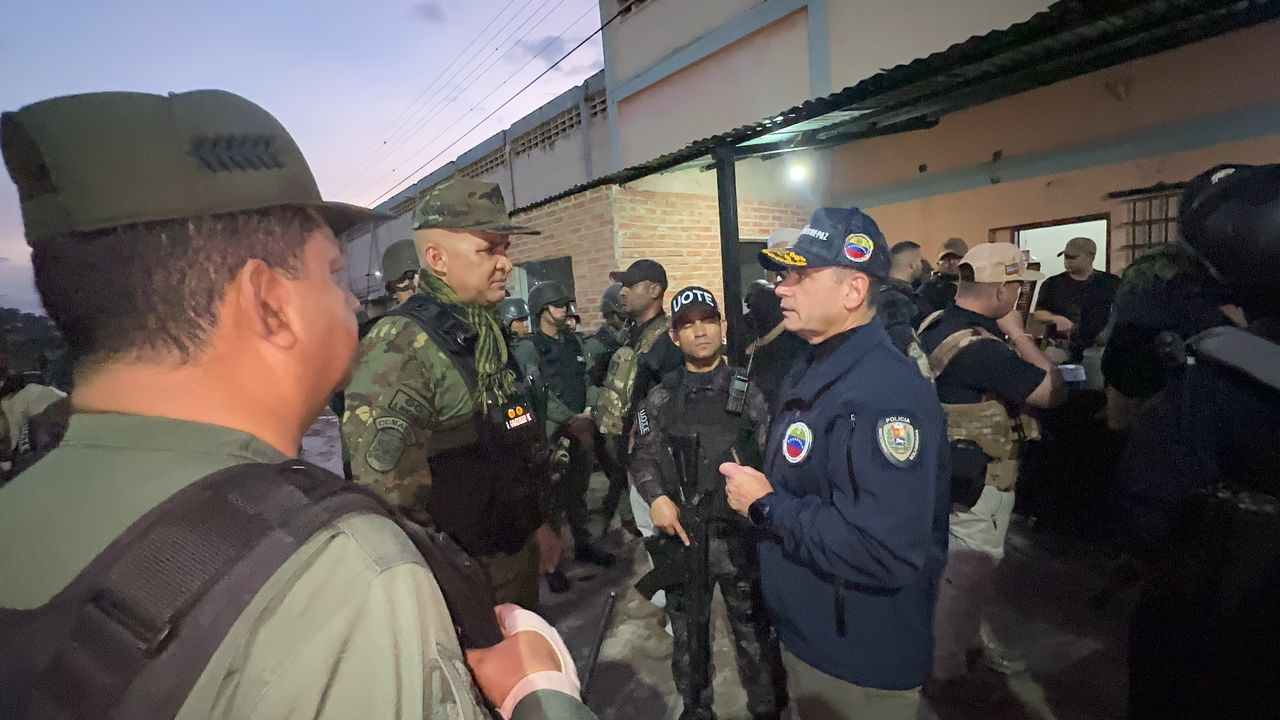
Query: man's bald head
(473, 263)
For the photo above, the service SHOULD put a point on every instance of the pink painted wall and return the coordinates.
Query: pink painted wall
(755, 77)
(1213, 76)
(971, 214)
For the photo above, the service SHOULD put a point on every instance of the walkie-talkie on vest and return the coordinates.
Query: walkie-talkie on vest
(738, 389)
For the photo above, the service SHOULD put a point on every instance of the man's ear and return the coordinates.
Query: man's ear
(675, 338)
(262, 297)
(856, 289)
(435, 258)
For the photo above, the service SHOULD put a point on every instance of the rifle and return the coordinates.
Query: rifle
(589, 671)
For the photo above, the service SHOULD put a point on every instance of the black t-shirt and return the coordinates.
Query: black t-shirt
(984, 368)
(1087, 303)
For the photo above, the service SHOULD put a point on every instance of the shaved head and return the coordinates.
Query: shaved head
(473, 263)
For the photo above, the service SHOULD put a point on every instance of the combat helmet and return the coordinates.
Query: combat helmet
(611, 301)
(544, 294)
(399, 259)
(512, 309)
(1230, 218)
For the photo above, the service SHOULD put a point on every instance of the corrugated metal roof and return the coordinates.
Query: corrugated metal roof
(1070, 38)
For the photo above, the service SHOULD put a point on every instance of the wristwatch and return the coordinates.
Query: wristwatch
(760, 513)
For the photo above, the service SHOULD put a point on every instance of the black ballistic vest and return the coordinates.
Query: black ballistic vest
(485, 481)
(564, 371)
(701, 411)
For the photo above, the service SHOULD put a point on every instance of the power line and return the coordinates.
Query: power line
(404, 135)
(391, 126)
(446, 102)
(505, 103)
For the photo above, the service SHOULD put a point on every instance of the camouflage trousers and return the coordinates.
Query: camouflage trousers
(734, 567)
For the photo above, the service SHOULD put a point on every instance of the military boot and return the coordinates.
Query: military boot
(589, 553)
(697, 713)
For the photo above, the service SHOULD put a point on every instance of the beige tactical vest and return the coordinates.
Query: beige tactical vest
(610, 411)
(989, 423)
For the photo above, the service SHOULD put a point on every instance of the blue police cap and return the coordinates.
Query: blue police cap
(839, 237)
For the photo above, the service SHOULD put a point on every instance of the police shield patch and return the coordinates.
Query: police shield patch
(898, 440)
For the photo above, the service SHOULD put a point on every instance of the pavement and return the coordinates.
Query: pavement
(1076, 655)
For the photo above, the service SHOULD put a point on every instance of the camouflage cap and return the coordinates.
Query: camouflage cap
(100, 160)
(463, 204)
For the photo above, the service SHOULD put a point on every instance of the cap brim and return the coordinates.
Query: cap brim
(621, 276)
(507, 229)
(779, 259)
(946, 255)
(344, 216)
(1030, 275)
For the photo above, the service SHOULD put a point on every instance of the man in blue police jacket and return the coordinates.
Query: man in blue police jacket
(854, 497)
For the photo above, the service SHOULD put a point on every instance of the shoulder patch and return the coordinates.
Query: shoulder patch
(642, 422)
(387, 444)
(797, 443)
(898, 439)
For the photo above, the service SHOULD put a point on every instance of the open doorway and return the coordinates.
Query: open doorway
(1045, 240)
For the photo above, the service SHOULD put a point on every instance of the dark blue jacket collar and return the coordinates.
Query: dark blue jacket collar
(817, 371)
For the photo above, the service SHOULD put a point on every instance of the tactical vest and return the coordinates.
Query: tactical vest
(1258, 359)
(718, 433)
(997, 430)
(484, 477)
(616, 395)
(563, 368)
(129, 637)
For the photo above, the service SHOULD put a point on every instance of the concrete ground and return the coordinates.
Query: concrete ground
(1075, 655)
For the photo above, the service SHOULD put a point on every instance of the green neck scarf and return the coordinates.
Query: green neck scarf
(497, 381)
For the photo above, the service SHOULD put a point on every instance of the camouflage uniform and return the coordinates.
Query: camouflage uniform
(732, 561)
(408, 402)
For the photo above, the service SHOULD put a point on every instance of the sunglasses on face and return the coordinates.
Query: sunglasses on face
(559, 305)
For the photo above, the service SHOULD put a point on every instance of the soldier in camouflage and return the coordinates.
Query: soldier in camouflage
(693, 400)
(437, 417)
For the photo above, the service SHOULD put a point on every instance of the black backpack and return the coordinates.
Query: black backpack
(131, 634)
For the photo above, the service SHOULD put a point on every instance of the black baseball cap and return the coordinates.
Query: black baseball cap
(692, 298)
(834, 237)
(639, 271)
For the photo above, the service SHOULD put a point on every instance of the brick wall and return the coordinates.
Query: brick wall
(682, 231)
(581, 227)
(608, 228)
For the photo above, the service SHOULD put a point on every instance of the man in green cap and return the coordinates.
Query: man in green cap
(438, 419)
(194, 381)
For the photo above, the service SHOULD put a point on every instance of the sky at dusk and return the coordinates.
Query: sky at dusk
(370, 90)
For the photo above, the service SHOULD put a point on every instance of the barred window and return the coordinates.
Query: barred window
(485, 165)
(1150, 218)
(548, 132)
(627, 7)
(598, 105)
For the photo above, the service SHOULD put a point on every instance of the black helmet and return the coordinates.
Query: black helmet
(512, 309)
(544, 294)
(611, 302)
(1230, 217)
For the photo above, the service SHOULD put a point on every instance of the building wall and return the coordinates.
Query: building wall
(607, 228)
(972, 214)
(659, 27)
(1156, 91)
(581, 227)
(746, 81)
(867, 36)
